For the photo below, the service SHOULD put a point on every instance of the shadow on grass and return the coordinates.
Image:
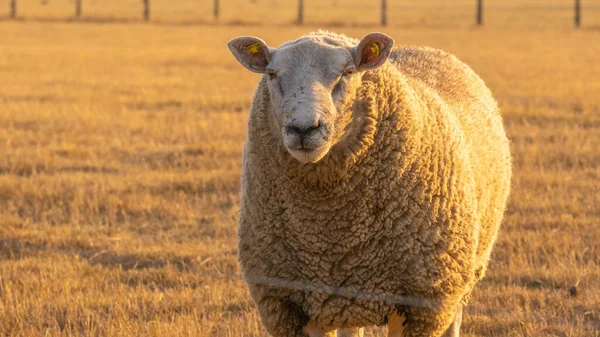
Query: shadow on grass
(14, 249)
(28, 170)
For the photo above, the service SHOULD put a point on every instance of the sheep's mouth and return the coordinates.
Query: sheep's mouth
(309, 155)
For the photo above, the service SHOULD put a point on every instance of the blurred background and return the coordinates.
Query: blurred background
(437, 13)
(121, 130)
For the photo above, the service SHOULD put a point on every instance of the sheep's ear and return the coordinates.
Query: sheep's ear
(252, 52)
(372, 51)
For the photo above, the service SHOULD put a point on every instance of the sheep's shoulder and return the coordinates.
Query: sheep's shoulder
(450, 78)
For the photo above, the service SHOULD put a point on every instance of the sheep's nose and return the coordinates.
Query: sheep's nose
(303, 129)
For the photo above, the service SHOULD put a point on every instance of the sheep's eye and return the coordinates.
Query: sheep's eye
(345, 75)
(348, 72)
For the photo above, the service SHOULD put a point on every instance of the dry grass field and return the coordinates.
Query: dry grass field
(120, 154)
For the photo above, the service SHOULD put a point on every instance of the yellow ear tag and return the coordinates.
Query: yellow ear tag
(375, 49)
(253, 48)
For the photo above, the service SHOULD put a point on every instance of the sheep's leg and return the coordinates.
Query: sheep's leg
(281, 318)
(454, 329)
(353, 332)
(425, 322)
(395, 325)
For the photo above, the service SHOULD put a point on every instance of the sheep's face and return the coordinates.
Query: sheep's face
(312, 84)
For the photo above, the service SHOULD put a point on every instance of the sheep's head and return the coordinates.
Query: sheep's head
(312, 84)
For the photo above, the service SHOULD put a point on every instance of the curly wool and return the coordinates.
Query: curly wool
(400, 215)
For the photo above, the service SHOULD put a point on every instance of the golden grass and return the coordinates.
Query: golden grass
(120, 153)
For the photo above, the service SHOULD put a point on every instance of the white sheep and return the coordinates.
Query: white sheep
(372, 191)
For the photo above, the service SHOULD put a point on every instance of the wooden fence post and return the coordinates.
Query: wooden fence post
(78, 8)
(384, 13)
(300, 11)
(13, 9)
(146, 10)
(480, 12)
(216, 9)
(577, 13)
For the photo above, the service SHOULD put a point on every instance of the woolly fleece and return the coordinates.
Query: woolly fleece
(401, 216)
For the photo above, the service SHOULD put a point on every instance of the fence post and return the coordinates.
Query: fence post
(78, 8)
(146, 10)
(384, 13)
(13, 9)
(480, 12)
(300, 11)
(577, 13)
(216, 9)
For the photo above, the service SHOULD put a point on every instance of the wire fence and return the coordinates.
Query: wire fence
(590, 326)
(301, 12)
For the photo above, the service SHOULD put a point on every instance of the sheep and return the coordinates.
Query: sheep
(372, 191)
